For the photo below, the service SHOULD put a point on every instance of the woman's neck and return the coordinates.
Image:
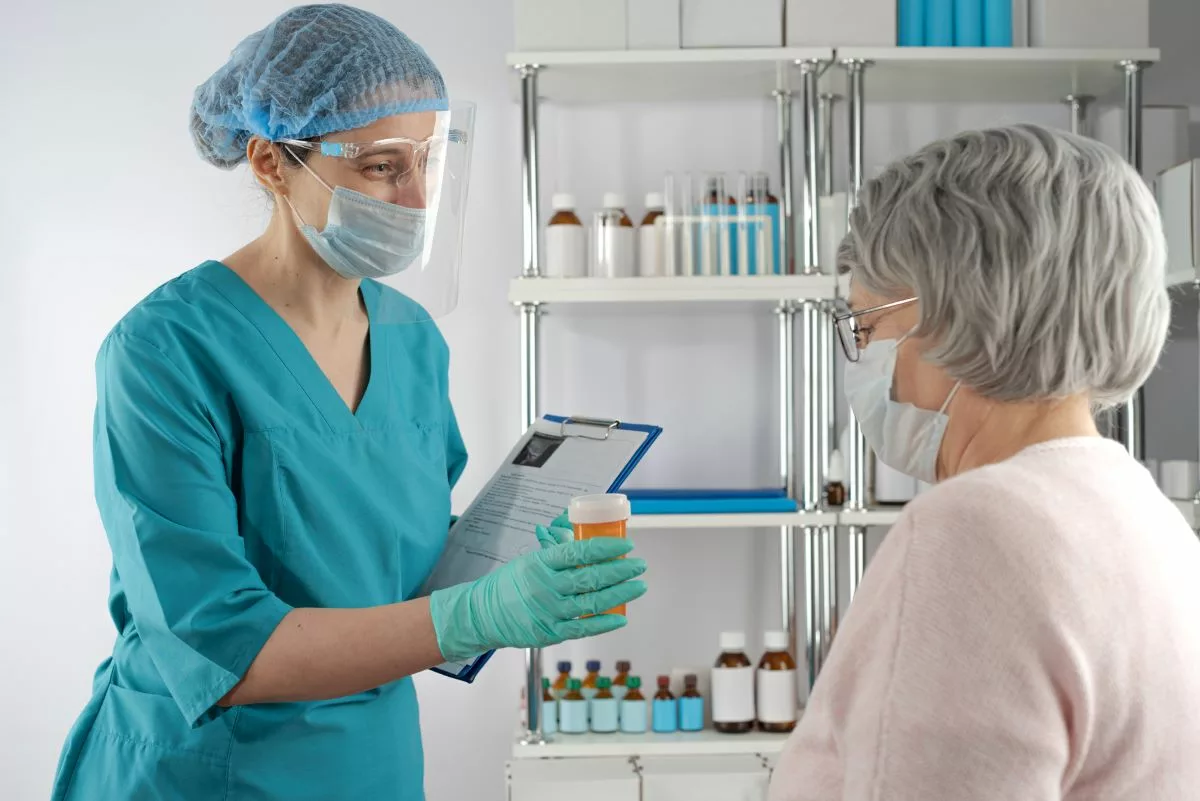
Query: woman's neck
(986, 432)
(285, 271)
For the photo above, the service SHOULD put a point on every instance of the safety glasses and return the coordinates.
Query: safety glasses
(853, 335)
(398, 159)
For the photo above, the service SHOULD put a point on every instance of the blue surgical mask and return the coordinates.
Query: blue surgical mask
(903, 437)
(365, 237)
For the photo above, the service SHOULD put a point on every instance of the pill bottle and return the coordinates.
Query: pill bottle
(589, 681)
(651, 261)
(566, 240)
(776, 684)
(605, 710)
(573, 710)
(691, 706)
(733, 686)
(835, 480)
(600, 516)
(620, 680)
(633, 707)
(559, 688)
(613, 239)
(665, 709)
(763, 228)
(549, 709)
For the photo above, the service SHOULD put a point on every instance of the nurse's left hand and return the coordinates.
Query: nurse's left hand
(539, 599)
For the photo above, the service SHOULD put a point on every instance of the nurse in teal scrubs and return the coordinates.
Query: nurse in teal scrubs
(275, 450)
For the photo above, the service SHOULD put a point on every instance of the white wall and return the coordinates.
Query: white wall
(103, 198)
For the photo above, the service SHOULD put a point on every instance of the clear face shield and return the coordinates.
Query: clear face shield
(411, 243)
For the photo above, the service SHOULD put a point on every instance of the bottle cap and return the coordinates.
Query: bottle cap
(562, 201)
(588, 509)
(564, 667)
(733, 641)
(775, 640)
(614, 200)
(654, 200)
(837, 467)
(633, 682)
(604, 682)
(664, 682)
(623, 666)
(545, 684)
(574, 684)
(689, 680)
(593, 666)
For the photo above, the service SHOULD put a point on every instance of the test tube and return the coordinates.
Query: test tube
(742, 264)
(711, 203)
(764, 252)
(670, 222)
(687, 228)
(724, 230)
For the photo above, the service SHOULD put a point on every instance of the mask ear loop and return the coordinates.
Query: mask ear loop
(950, 397)
(309, 170)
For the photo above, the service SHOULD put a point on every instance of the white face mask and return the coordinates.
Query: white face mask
(903, 437)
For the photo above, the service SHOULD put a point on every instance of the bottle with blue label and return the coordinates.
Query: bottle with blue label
(573, 710)
(665, 709)
(605, 710)
(761, 249)
(633, 707)
(549, 709)
(691, 706)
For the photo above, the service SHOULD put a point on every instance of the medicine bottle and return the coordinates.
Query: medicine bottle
(600, 516)
(776, 685)
(633, 708)
(559, 687)
(764, 227)
(589, 681)
(612, 240)
(566, 240)
(835, 480)
(605, 711)
(733, 686)
(691, 706)
(651, 260)
(549, 709)
(664, 711)
(573, 710)
(620, 680)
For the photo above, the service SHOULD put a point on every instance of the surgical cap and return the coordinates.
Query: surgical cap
(316, 70)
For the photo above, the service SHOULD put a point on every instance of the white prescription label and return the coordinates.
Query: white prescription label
(566, 251)
(732, 694)
(776, 696)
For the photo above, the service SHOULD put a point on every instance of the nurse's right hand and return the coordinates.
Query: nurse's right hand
(539, 599)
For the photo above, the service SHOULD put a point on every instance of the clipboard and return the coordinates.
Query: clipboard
(550, 427)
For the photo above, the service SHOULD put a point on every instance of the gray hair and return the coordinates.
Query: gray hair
(1038, 257)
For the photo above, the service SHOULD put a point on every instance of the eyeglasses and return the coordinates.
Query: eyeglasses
(397, 160)
(854, 337)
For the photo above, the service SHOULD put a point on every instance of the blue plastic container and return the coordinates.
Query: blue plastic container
(997, 23)
(910, 23)
(939, 23)
(968, 23)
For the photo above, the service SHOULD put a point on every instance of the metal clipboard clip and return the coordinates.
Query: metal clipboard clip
(589, 422)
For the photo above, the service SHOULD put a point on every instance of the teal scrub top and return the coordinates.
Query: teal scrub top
(234, 484)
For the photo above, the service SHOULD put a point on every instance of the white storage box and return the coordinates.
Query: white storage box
(1089, 23)
(570, 24)
(846, 23)
(725, 23)
(714, 778)
(653, 24)
(1178, 191)
(600, 779)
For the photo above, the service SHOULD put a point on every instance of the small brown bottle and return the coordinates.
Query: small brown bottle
(621, 679)
(566, 240)
(733, 686)
(835, 486)
(691, 706)
(664, 709)
(776, 685)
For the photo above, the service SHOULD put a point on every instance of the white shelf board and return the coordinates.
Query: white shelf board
(1190, 513)
(701, 743)
(879, 516)
(759, 520)
(1182, 278)
(671, 290)
(657, 75)
(989, 74)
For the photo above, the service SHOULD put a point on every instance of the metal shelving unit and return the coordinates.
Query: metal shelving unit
(803, 77)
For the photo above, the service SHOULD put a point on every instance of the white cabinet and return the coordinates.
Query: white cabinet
(723, 778)
(573, 780)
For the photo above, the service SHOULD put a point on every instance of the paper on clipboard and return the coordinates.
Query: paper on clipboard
(556, 460)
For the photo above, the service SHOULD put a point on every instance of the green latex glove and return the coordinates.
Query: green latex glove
(537, 599)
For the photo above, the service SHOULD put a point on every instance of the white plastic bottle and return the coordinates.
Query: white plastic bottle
(651, 259)
(612, 240)
(566, 240)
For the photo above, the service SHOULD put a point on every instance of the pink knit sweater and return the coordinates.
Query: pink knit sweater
(1028, 631)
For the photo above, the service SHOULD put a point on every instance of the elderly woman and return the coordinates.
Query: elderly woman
(1029, 628)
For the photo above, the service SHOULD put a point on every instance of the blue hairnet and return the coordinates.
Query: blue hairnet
(315, 70)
